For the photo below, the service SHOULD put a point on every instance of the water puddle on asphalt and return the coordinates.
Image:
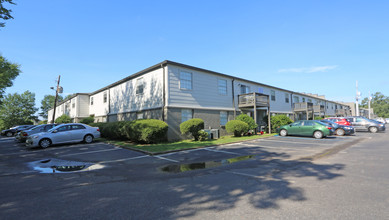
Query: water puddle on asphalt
(62, 166)
(179, 168)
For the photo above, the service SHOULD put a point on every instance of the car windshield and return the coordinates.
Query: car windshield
(37, 127)
(54, 128)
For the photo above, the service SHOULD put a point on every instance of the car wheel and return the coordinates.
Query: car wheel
(8, 134)
(373, 129)
(44, 143)
(339, 132)
(88, 139)
(283, 132)
(318, 134)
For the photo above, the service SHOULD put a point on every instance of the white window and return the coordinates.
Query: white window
(105, 97)
(139, 86)
(222, 86)
(186, 114)
(244, 89)
(286, 97)
(186, 80)
(223, 118)
(273, 95)
(91, 100)
(73, 105)
(139, 115)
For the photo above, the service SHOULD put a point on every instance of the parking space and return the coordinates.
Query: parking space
(277, 147)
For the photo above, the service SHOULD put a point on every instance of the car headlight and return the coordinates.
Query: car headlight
(35, 137)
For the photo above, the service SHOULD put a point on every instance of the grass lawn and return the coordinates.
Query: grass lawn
(185, 144)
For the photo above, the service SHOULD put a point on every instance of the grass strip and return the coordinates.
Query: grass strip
(185, 144)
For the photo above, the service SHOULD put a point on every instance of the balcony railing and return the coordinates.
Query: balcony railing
(247, 100)
(318, 108)
(341, 112)
(302, 106)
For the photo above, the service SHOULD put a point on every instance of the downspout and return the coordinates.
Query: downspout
(109, 104)
(163, 93)
(233, 97)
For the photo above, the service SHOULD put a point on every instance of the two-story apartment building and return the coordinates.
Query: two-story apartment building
(175, 92)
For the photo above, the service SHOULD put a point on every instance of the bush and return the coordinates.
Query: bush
(249, 120)
(111, 130)
(43, 122)
(237, 127)
(100, 125)
(192, 126)
(278, 121)
(88, 120)
(203, 136)
(318, 118)
(146, 131)
(63, 119)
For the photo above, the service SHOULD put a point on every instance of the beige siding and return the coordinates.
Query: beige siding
(99, 108)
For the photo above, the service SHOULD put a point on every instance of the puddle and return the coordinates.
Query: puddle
(62, 166)
(178, 168)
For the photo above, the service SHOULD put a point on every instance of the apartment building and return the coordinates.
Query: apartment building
(175, 92)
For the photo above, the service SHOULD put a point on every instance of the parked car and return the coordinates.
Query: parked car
(309, 128)
(14, 130)
(340, 130)
(23, 135)
(340, 121)
(65, 133)
(364, 124)
(382, 120)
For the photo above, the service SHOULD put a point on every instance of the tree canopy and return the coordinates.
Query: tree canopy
(8, 72)
(5, 14)
(47, 103)
(17, 109)
(380, 104)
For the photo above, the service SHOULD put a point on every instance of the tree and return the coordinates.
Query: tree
(47, 103)
(63, 119)
(380, 104)
(8, 72)
(5, 14)
(17, 109)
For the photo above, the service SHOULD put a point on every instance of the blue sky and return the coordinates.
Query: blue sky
(309, 46)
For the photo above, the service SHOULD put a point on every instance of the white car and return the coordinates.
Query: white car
(64, 133)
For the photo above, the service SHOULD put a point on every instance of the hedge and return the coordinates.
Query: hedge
(192, 126)
(237, 127)
(278, 121)
(63, 119)
(249, 120)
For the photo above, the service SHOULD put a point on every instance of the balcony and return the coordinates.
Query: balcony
(306, 106)
(253, 100)
(341, 112)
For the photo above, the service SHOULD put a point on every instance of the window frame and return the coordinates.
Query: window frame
(105, 97)
(273, 95)
(91, 100)
(286, 97)
(223, 113)
(187, 117)
(188, 81)
(223, 87)
(140, 86)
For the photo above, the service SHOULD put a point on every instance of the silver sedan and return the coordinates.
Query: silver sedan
(64, 133)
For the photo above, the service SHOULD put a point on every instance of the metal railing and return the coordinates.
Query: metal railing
(260, 100)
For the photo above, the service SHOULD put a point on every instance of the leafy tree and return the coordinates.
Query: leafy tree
(68, 96)
(380, 104)
(5, 14)
(17, 109)
(8, 72)
(47, 103)
(63, 119)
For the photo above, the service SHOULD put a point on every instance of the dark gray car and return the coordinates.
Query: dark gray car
(364, 124)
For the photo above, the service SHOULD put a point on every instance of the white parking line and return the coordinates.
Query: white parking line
(221, 151)
(176, 161)
(244, 174)
(125, 159)
(89, 152)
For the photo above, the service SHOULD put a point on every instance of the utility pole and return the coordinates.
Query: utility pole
(369, 105)
(56, 97)
(356, 102)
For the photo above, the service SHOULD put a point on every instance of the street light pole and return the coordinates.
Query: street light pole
(369, 105)
(356, 102)
(56, 97)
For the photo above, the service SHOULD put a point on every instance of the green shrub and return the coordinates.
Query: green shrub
(111, 130)
(203, 136)
(237, 127)
(318, 118)
(278, 121)
(249, 120)
(192, 126)
(100, 125)
(146, 131)
(63, 119)
(88, 120)
(43, 122)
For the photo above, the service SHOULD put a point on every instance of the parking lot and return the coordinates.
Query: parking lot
(15, 157)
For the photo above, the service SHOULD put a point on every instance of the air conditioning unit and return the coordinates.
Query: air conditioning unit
(215, 134)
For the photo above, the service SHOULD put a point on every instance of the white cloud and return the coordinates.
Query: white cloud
(313, 69)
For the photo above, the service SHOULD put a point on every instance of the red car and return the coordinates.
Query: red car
(341, 121)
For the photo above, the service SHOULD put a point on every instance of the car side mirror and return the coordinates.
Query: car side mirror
(55, 131)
